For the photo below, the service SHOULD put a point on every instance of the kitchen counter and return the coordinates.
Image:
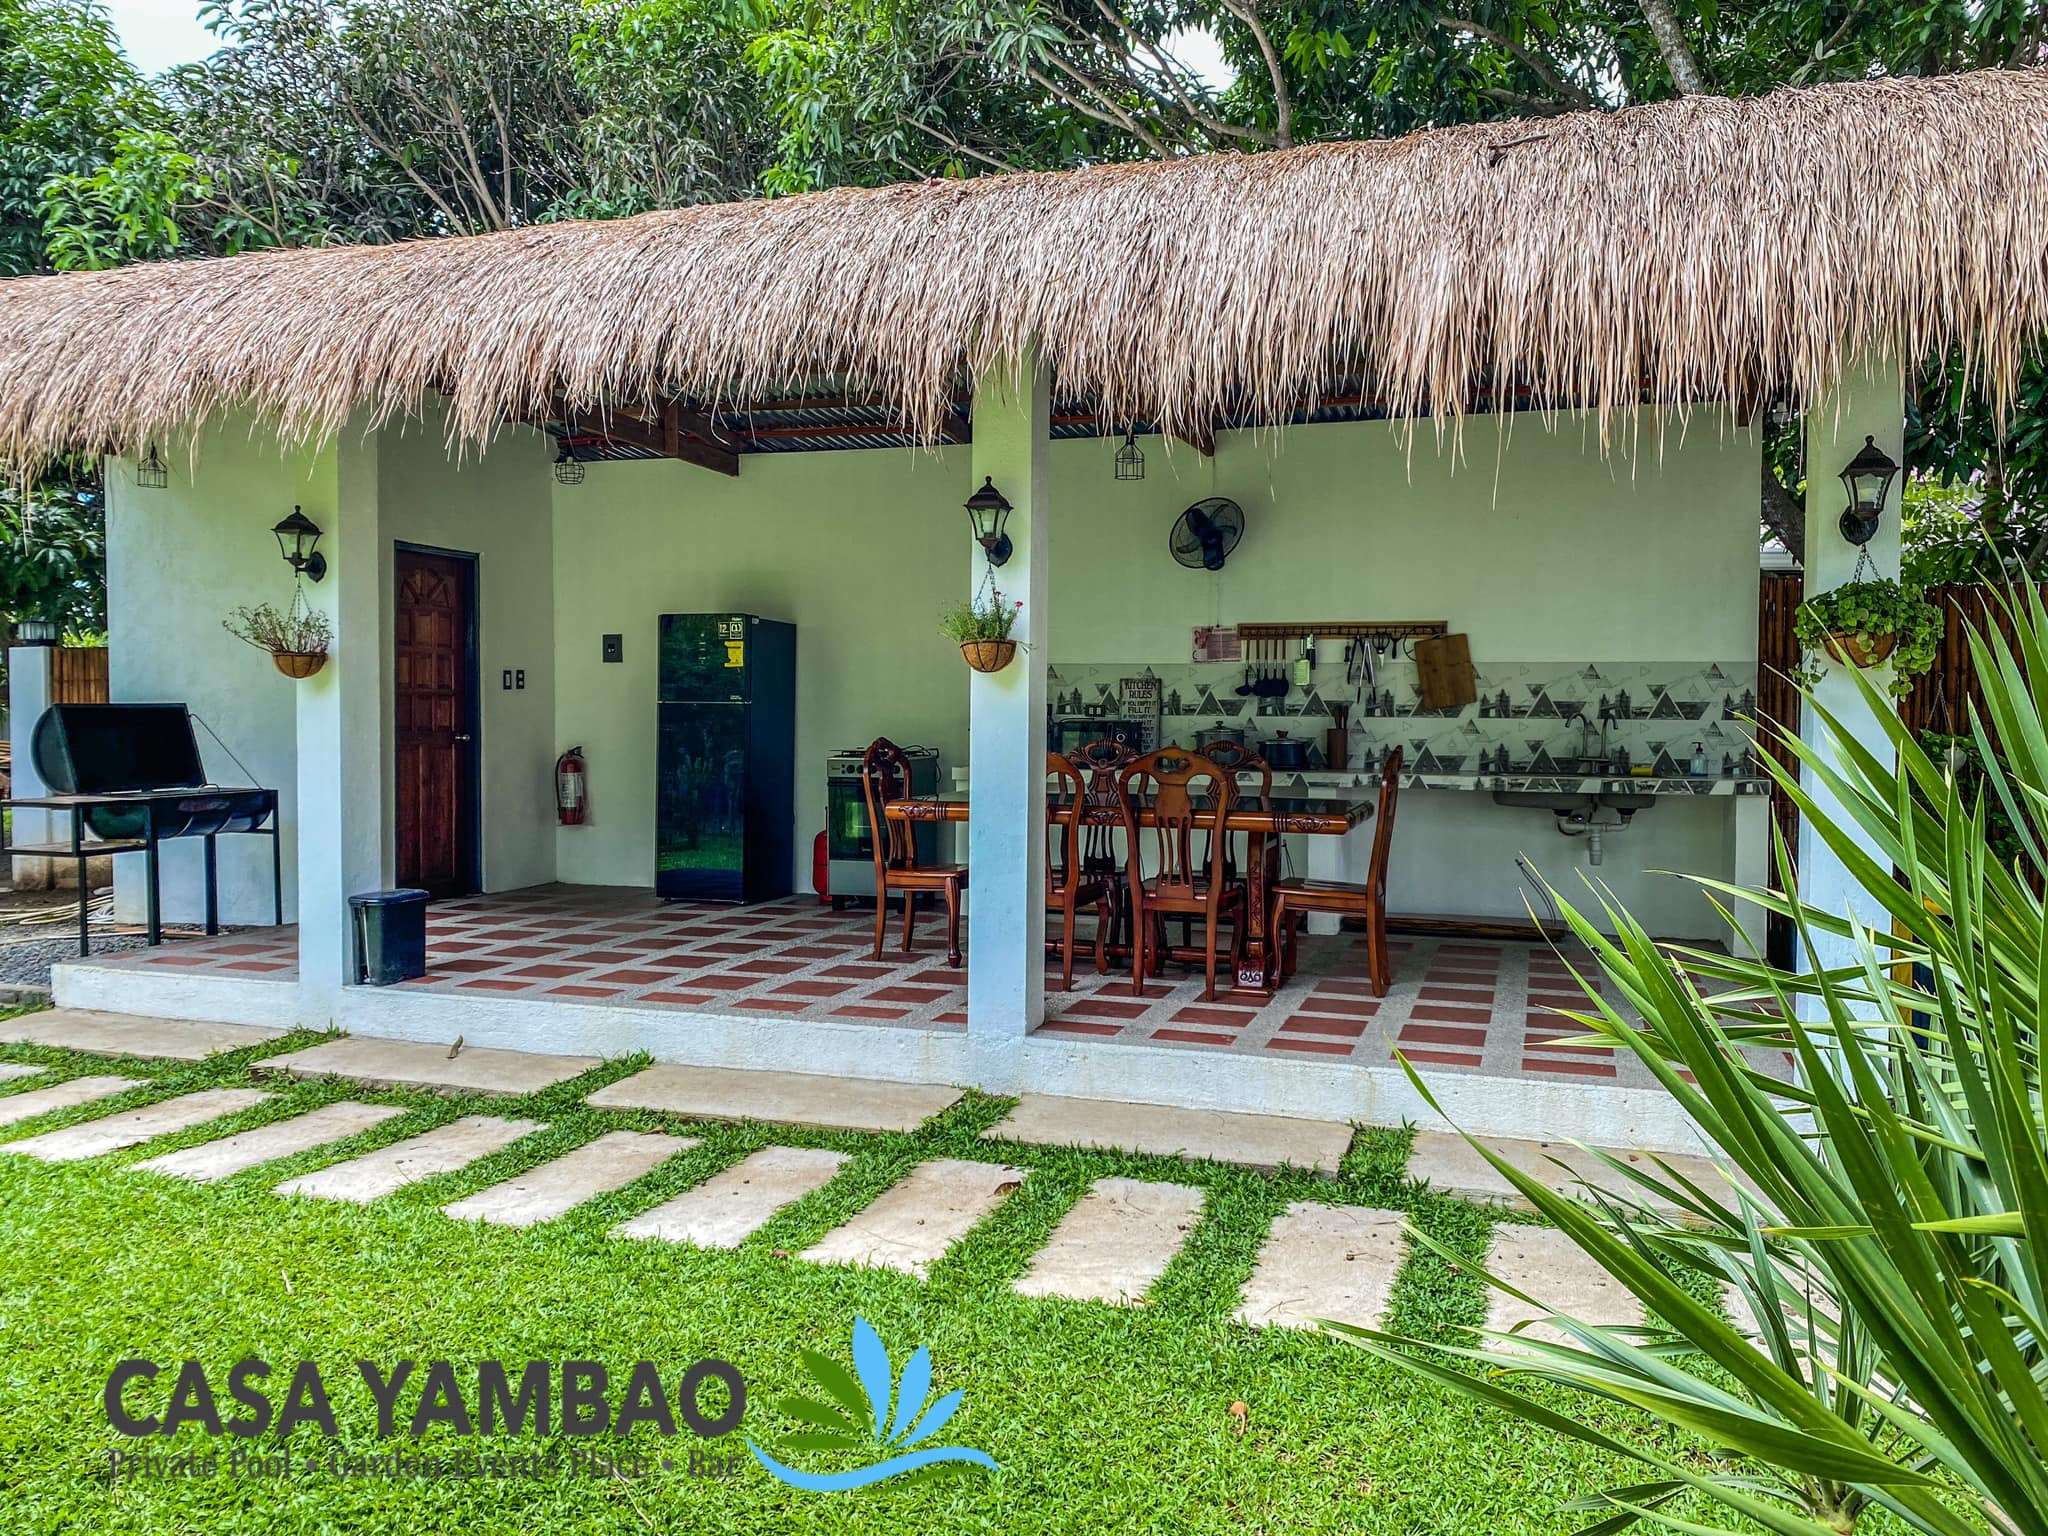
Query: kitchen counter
(1548, 784)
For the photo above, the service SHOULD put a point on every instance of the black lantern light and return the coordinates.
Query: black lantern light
(37, 632)
(297, 539)
(1868, 479)
(151, 474)
(988, 508)
(1130, 459)
(568, 468)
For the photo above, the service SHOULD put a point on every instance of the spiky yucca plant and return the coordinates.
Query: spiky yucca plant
(1875, 1253)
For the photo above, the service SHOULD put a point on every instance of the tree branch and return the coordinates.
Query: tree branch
(1536, 64)
(1782, 514)
(1678, 56)
(1247, 11)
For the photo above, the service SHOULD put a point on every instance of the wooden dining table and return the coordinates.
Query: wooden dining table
(1263, 819)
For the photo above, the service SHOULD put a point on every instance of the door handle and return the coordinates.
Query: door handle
(462, 735)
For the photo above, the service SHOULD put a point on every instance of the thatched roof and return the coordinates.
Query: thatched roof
(1703, 248)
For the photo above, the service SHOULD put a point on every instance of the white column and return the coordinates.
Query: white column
(31, 674)
(1006, 726)
(345, 828)
(1870, 402)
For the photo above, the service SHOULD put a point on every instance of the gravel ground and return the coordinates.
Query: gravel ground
(27, 953)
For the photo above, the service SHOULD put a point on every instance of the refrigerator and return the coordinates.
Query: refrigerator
(725, 774)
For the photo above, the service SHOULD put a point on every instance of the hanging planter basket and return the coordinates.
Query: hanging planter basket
(989, 655)
(1859, 650)
(299, 664)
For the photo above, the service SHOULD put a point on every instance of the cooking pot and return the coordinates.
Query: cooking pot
(1236, 735)
(1285, 754)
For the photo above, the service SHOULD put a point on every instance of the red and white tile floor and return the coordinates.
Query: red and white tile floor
(1456, 1005)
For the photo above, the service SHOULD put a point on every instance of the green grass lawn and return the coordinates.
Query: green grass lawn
(1101, 1419)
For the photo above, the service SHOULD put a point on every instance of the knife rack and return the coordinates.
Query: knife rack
(1347, 629)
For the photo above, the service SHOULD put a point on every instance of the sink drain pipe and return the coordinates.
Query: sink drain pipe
(1582, 824)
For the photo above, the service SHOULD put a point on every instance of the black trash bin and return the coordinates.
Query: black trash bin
(391, 936)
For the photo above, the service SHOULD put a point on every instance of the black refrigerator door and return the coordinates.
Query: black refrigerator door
(705, 656)
(700, 802)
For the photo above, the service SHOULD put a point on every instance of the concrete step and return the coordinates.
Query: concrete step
(132, 1127)
(13, 1072)
(780, 1098)
(379, 1063)
(214, 1160)
(910, 1227)
(1115, 1242)
(554, 1189)
(1254, 1141)
(727, 1209)
(1551, 1267)
(30, 1102)
(1325, 1261)
(1447, 1162)
(441, 1150)
(124, 1034)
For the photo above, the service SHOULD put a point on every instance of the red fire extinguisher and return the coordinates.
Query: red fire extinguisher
(571, 797)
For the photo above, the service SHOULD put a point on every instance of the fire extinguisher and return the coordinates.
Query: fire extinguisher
(571, 796)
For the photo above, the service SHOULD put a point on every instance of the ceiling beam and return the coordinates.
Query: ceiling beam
(1203, 442)
(670, 437)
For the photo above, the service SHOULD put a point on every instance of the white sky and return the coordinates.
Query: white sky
(160, 34)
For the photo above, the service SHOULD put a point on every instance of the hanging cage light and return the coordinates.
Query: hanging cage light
(568, 468)
(151, 473)
(1130, 459)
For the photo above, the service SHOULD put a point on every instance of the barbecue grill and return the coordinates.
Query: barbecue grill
(130, 776)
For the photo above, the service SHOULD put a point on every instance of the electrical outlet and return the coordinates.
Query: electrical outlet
(519, 678)
(614, 647)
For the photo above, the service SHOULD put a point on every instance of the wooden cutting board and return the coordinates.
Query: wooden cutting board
(1444, 672)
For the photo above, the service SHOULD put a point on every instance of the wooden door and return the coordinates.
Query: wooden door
(435, 704)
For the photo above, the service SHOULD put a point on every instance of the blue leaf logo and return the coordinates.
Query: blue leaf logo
(855, 1415)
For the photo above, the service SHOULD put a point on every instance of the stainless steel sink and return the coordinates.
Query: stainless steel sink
(1557, 803)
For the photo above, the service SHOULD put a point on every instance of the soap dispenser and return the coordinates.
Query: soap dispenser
(1699, 760)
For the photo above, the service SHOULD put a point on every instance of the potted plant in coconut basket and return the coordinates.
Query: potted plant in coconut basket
(297, 638)
(1866, 623)
(981, 628)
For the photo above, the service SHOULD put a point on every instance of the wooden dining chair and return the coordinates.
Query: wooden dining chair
(1187, 867)
(1245, 768)
(1294, 899)
(1068, 880)
(1102, 760)
(885, 776)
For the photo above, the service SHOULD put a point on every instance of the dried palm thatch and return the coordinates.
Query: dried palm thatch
(1700, 249)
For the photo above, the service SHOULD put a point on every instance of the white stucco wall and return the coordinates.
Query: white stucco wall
(178, 559)
(495, 506)
(1536, 547)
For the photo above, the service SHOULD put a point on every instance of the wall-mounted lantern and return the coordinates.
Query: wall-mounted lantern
(151, 473)
(568, 468)
(297, 539)
(988, 509)
(1130, 459)
(37, 632)
(1868, 479)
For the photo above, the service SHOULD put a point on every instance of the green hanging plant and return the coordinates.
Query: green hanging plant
(1865, 623)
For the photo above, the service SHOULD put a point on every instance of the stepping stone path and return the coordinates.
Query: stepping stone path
(1252, 1141)
(1325, 1261)
(912, 1224)
(442, 1150)
(26, 1105)
(1550, 1266)
(132, 1127)
(1115, 1242)
(214, 1160)
(379, 1063)
(1450, 1164)
(9, 1071)
(782, 1098)
(727, 1209)
(554, 1189)
(121, 1034)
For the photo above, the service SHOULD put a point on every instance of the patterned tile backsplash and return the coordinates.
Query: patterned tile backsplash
(1531, 717)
